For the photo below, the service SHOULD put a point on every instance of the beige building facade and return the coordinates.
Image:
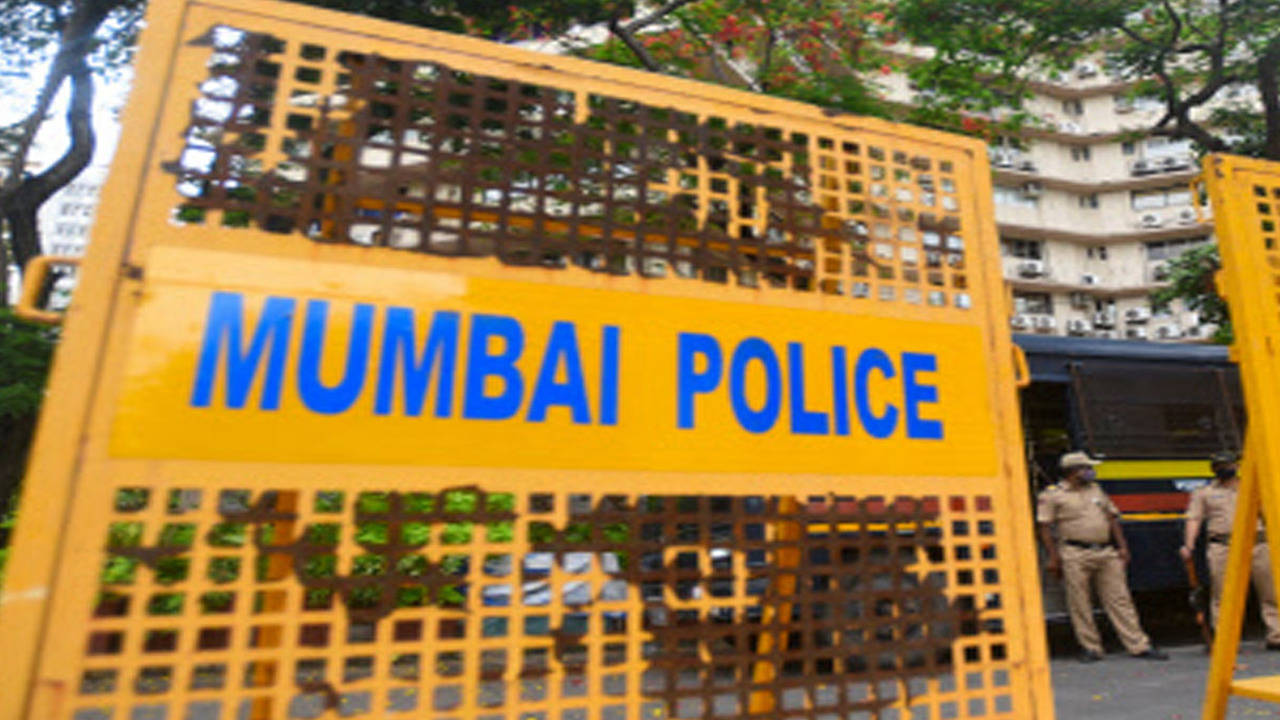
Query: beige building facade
(1090, 210)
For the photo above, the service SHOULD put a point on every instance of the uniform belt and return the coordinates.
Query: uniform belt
(1089, 545)
(1226, 539)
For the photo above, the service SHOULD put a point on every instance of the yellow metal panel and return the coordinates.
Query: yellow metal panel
(417, 375)
(1245, 195)
(1264, 688)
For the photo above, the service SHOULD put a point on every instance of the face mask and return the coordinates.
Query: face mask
(1088, 475)
(1225, 473)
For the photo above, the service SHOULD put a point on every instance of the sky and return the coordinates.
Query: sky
(21, 88)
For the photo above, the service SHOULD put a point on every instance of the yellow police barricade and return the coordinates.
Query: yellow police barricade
(416, 375)
(1245, 197)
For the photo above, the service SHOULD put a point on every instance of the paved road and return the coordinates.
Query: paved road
(1121, 688)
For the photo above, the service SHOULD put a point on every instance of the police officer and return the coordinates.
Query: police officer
(1090, 551)
(1215, 505)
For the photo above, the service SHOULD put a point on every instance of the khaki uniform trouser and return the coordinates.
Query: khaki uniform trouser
(1216, 554)
(1083, 569)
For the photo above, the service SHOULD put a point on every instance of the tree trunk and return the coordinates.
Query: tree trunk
(21, 205)
(1269, 87)
(21, 199)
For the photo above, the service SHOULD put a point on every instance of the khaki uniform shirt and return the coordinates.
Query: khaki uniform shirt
(1215, 504)
(1081, 514)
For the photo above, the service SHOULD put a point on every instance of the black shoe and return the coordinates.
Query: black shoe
(1274, 646)
(1152, 653)
(1089, 656)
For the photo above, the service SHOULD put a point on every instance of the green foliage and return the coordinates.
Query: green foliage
(1182, 54)
(495, 19)
(1191, 280)
(817, 51)
(26, 351)
(6, 525)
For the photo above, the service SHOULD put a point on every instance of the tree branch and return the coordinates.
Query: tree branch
(1269, 87)
(656, 15)
(21, 196)
(642, 54)
(766, 63)
(30, 125)
(21, 204)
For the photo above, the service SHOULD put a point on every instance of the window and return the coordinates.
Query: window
(1148, 199)
(1172, 196)
(1157, 410)
(1158, 147)
(1128, 147)
(1081, 153)
(1097, 252)
(1178, 195)
(1032, 303)
(1015, 195)
(1166, 249)
(1025, 249)
(1005, 141)
(1088, 202)
(1073, 107)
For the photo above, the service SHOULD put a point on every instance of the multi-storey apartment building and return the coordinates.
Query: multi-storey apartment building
(67, 217)
(1090, 209)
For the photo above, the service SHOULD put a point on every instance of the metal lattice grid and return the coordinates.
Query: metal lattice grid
(349, 147)
(191, 587)
(227, 603)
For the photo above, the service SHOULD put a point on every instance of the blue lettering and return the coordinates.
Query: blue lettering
(315, 395)
(609, 360)
(690, 382)
(914, 393)
(840, 389)
(803, 421)
(562, 348)
(439, 351)
(751, 419)
(481, 365)
(225, 324)
(879, 426)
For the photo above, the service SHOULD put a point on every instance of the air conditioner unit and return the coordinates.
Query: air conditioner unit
(1105, 335)
(1027, 166)
(1032, 190)
(1031, 268)
(1137, 315)
(1150, 220)
(1080, 301)
(1045, 322)
(1070, 127)
(1020, 322)
(1078, 327)
(1086, 70)
(1142, 167)
(1124, 105)
(1168, 332)
(1002, 159)
(1160, 272)
(1104, 319)
(1136, 333)
(1089, 279)
(1187, 216)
